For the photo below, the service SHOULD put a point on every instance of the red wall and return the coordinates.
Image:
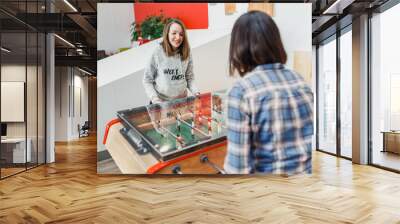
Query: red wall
(193, 15)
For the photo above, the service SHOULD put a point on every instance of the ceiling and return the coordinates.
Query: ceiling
(332, 15)
(73, 20)
(76, 22)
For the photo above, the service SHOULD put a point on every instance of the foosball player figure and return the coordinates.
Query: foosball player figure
(178, 123)
(199, 116)
(209, 126)
(219, 126)
(159, 128)
(179, 141)
(192, 126)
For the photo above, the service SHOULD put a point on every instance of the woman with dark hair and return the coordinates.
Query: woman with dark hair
(270, 108)
(169, 73)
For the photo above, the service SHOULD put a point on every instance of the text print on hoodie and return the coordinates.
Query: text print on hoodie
(168, 78)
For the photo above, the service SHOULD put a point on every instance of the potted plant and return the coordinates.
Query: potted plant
(149, 29)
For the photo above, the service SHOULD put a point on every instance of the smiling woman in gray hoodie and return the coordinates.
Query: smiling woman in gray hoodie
(169, 74)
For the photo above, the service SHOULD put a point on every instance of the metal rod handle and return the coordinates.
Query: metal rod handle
(204, 159)
(176, 169)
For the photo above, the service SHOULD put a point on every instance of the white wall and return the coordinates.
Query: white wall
(50, 95)
(84, 83)
(67, 116)
(13, 73)
(12, 101)
(211, 69)
(314, 89)
(33, 125)
(113, 26)
(61, 103)
(293, 20)
(217, 18)
(79, 117)
(16, 73)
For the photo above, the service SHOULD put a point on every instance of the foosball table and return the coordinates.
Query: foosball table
(183, 136)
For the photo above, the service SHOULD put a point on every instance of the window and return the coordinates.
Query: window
(346, 94)
(327, 97)
(385, 89)
(22, 68)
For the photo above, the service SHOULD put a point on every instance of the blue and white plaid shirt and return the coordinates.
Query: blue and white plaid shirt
(270, 122)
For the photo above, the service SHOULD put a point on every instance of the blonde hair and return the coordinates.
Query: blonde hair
(184, 49)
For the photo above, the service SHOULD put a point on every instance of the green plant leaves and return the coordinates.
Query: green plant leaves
(134, 32)
(150, 28)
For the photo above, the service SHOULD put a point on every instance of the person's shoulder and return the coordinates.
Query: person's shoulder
(294, 74)
(253, 80)
(158, 52)
(238, 89)
(297, 78)
(158, 49)
(251, 75)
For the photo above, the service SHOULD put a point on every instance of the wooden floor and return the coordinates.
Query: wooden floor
(70, 191)
(10, 171)
(387, 159)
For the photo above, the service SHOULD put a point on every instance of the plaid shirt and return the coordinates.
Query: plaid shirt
(270, 122)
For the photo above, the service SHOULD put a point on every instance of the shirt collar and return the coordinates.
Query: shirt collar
(271, 66)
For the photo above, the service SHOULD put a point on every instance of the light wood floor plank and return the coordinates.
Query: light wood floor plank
(70, 191)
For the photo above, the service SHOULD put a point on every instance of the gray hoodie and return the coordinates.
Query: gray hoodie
(168, 78)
